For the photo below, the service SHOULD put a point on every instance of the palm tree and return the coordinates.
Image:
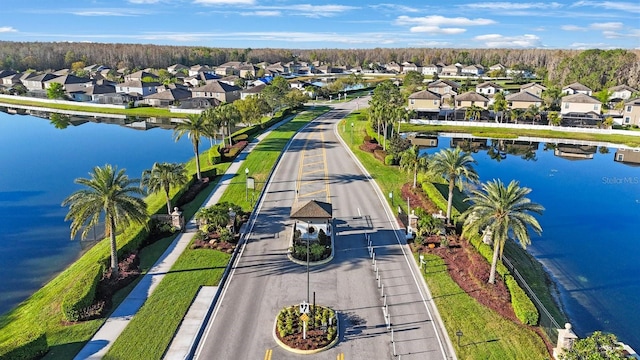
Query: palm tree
(214, 216)
(499, 106)
(413, 162)
(455, 166)
(501, 211)
(110, 192)
(162, 176)
(195, 127)
(554, 118)
(473, 112)
(228, 115)
(532, 112)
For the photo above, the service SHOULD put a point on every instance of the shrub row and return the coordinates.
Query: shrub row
(81, 293)
(233, 151)
(438, 199)
(522, 305)
(28, 345)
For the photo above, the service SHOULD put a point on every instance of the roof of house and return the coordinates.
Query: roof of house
(526, 86)
(216, 87)
(100, 89)
(170, 94)
(523, 96)
(633, 102)
(622, 88)
(42, 77)
(254, 89)
(69, 79)
(576, 86)
(580, 99)
(141, 74)
(471, 96)
(424, 95)
(138, 83)
(487, 84)
(473, 67)
(177, 67)
(444, 83)
(312, 210)
(4, 73)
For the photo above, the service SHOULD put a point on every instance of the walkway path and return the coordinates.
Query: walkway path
(98, 346)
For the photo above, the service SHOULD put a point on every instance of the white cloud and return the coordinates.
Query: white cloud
(435, 24)
(586, 46)
(102, 13)
(264, 13)
(610, 26)
(501, 41)
(7, 29)
(432, 44)
(224, 2)
(513, 6)
(572, 28)
(394, 8)
(611, 5)
(144, 1)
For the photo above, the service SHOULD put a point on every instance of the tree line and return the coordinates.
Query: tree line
(595, 68)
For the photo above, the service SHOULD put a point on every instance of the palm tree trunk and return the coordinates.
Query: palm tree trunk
(168, 202)
(494, 262)
(195, 150)
(450, 199)
(229, 130)
(415, 177)
(114, 248)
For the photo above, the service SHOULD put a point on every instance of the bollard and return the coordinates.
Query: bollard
(377, 276)
(382, 290)
(385, 300)
(379, 284)
(394, 349)
(373, 257)
(391, 335)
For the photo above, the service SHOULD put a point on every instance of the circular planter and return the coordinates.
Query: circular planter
(288, 330)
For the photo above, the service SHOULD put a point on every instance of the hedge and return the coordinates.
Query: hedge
(487, 252)
(214, 155)
(28, 345)
(81, 293)
(438, 199)
(522, 305)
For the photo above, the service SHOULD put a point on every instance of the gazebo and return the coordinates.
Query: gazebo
(311, 217)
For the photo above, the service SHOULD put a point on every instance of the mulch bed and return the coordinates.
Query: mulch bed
(316, 339)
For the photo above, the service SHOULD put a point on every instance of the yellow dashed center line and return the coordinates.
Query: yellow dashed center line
(267, 354)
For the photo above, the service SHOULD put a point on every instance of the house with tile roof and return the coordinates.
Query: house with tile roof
(522, 100)
(167, 97)
(471, 98)
(580, 103)
(424, 103)
(217, 90)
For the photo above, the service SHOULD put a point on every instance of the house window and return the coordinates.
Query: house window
(459, 103)
(566, 105)
(627, 120)
(435, 102)
(628, 108)
(620, 157)
(412, 101)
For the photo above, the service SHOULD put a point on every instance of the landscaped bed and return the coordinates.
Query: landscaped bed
(321, 332)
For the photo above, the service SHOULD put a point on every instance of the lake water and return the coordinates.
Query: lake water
(590, 241)
(38, 164)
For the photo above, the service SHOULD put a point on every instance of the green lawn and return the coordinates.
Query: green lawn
(629, 140)
(140, 111)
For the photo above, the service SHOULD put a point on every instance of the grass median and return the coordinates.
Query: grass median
(149, 333)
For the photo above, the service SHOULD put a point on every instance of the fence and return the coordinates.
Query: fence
(547, 322)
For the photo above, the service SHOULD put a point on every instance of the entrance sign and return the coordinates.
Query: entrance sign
(304, 307)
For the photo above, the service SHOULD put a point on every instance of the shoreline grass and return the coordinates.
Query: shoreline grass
(138, 111)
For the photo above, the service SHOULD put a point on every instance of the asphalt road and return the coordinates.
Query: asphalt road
(264, 280)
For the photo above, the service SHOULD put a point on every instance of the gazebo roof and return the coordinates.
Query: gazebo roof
(312, 210)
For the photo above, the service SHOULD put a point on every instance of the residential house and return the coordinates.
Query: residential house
(621, 93)
(431, 69)
(424, 103)
(226, 71)
(580, 103)
(10, 80)
(497, 67)
(631, 112)
(218, 90)
(445, 88)
(137, 88)
(4, 73)
(168, 97)
(522, 100)
(175, 68)
(628, 156)
(197, 69)
(533, 89)
(409, 66)
(575, 152)
(252, 91)
(37, 82)
(95, 93)
(248, 71)
(452, 70)
(278, 69)
(488, 88)
(393, 67)
(471, 98)
(231, 80)
(142, 74)
(576, 88)
(323, 69)
(299, 84)
(473, 70)
(68, 82)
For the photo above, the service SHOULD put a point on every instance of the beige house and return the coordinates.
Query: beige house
(424, 101)
(522, 100)
(409, 66)
(217, 90)
(631, 112)
(534, 89)
(452, 70)
(576, 88)
(628, 156)
(444, 87)
(621, 93)
(580, 103)
(471, 98)
(431, 69)
(473, 70)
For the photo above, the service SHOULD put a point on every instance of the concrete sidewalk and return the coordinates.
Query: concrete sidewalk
(104, 338)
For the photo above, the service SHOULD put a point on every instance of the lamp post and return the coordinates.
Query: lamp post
(246, 184)
(391, 197)
(459, 335)
(232, 219)
(308, 250)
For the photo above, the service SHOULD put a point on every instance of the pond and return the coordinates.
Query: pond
(40, 160)
(589, 242)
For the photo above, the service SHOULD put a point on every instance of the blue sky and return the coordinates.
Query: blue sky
(327, 24)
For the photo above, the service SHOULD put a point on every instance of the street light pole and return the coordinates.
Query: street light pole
(308, 248)
(351, 133)
(246, 184)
